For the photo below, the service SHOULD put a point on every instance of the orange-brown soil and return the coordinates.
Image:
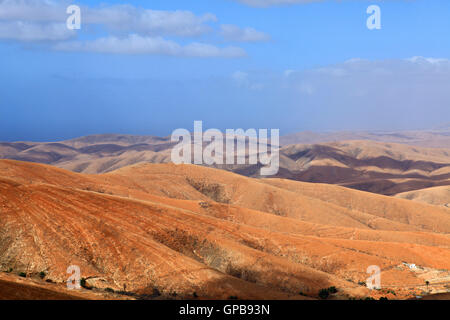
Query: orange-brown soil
(189, 229)
(13, 287)
(437, 196)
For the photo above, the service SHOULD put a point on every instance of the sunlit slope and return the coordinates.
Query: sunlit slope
(185, 229)
(437, 196)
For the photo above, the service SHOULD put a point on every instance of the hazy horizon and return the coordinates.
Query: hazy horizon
(232, 64)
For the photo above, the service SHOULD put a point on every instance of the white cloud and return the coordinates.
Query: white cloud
(242, 79)
(206, 50)
(149, 22)
(136, 44)
(386, 92)
(438, 64)
(33, 20)
(418, 59)
(381, 94)
(115, 17)
(26, 31)
(268, 3)
(132, 30)
(32, 10)
(367, 69)
(234, 33)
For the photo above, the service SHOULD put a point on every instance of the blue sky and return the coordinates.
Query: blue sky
(150, 67)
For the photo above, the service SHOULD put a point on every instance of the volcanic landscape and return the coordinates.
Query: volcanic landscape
(140, 227)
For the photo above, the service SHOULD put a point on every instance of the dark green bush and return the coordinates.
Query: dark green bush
(84, 284)
(323, 293)
(392, 291)
(332, 289)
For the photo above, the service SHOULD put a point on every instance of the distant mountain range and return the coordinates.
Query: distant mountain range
(436, 138)
(380, 162)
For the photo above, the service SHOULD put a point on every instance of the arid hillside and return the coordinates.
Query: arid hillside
(378, 167)
(14, 287)
(384, 168)
(438, 196)
(437, 138)
(190, 231)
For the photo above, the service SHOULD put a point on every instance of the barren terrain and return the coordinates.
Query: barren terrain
(380, 167)
(190, 231)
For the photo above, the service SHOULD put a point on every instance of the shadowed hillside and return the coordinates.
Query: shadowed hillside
(384, 168)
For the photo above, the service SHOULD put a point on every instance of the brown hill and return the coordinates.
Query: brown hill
(384, 168)
(13, 287)
(437, 196)
(437, 138)
(185, 229)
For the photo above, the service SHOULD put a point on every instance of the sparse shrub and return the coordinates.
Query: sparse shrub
(49, 280)
(384, 298)
(195, 295)
(213, 191)
(42, 274)
(391, 291)
(10, 270)
(327, 265)
(241, 273)
(126, 293)
(22, 274)
(156, 293)
(204, 204)
(323, 293)
(84, 284)
(362, 283)
(332, 290)
(110, 290)
(369, 298)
